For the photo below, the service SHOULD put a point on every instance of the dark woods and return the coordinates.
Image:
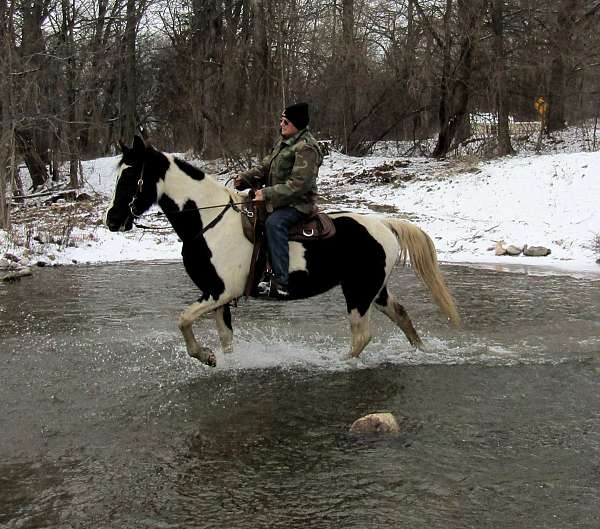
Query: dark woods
(212, 76)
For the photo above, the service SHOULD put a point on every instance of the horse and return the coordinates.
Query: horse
(217, 256)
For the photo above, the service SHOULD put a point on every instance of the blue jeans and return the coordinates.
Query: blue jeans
(277, 226)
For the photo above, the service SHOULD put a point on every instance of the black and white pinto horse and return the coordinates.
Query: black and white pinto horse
(216, 254)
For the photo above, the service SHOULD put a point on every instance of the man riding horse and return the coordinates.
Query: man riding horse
(286, 181)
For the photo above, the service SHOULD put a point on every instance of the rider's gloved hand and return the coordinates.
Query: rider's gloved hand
(240, 184)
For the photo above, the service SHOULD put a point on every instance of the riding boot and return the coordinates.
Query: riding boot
(273, 290)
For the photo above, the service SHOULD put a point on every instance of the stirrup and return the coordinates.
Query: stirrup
(270, 289)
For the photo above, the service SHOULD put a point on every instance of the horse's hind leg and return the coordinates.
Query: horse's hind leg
(395, 312)
(187, 318)
(358, 303)
(223, 319)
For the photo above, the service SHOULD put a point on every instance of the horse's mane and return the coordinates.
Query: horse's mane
(198, 174)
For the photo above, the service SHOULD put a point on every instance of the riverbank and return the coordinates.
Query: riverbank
(467, 206)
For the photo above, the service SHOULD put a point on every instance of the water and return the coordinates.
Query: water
(106, 423)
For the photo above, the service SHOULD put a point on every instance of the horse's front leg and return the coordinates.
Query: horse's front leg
(361, 334)
(187, 318)
(223, 319)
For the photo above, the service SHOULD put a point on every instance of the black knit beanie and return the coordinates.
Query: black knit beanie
(297, 114)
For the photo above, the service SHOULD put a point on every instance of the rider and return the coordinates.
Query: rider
(289, 176)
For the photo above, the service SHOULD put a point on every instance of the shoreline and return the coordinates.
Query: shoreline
(495, 265)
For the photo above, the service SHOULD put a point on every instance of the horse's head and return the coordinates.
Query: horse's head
(133, 194)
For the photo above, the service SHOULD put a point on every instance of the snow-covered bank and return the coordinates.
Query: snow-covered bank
(549, 200)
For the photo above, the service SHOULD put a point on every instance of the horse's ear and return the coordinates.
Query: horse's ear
(139, 147)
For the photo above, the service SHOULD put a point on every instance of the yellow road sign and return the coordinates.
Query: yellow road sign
(541, 106)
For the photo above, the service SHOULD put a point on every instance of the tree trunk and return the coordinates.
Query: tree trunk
(33, 132)
(349, 73)
(37, 168)
(207, 52)
(262, 71)
(456, 106)
(129, 75)
(502, 101)
(7, 159)
(6, 132)
(444, 139)
(556, 87)
(91, 133)
(70, 128)
(561, 40)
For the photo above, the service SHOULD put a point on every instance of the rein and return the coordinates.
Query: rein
(214, 222)
(231, 203)
(211, 224)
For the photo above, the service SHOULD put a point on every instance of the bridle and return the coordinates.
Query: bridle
(138, 191)
(211, 224)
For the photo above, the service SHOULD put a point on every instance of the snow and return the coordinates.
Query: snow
(465, 205)
(549, 200)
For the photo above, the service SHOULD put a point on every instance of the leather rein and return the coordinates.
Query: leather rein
(211, 224)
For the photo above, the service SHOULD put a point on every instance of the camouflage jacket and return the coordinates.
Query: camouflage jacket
(289, 173)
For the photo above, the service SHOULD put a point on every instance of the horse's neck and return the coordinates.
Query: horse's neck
(182, 187)
(184, 198)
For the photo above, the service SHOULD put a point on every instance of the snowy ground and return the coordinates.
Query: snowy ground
(464, 204)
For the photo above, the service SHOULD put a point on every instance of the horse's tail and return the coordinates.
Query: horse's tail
(418, 246)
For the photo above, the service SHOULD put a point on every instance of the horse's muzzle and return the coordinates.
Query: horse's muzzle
(125, 225)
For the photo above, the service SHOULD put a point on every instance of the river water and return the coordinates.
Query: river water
(106, 423)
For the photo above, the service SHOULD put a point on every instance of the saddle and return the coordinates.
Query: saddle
(254, 215)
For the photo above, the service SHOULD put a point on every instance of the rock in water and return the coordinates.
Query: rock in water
(376, 423)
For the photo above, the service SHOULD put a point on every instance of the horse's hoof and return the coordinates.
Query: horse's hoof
(419, 347)
(206, 356)
(354, 361)
(211, 361)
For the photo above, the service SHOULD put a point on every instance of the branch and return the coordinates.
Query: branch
(433, 32)
(593, 65)
(588, 14)
(25, 72)
(42, 194)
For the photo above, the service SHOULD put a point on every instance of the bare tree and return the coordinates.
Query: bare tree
(560, 36)
(129, 74)
(502, 99)
(456, 86)
(262, 79)
(6, 129)
(349, 72)
(69, 137)
(32, 131)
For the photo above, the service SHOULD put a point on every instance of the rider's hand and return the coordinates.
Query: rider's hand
(258, 196)
(240, 184)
